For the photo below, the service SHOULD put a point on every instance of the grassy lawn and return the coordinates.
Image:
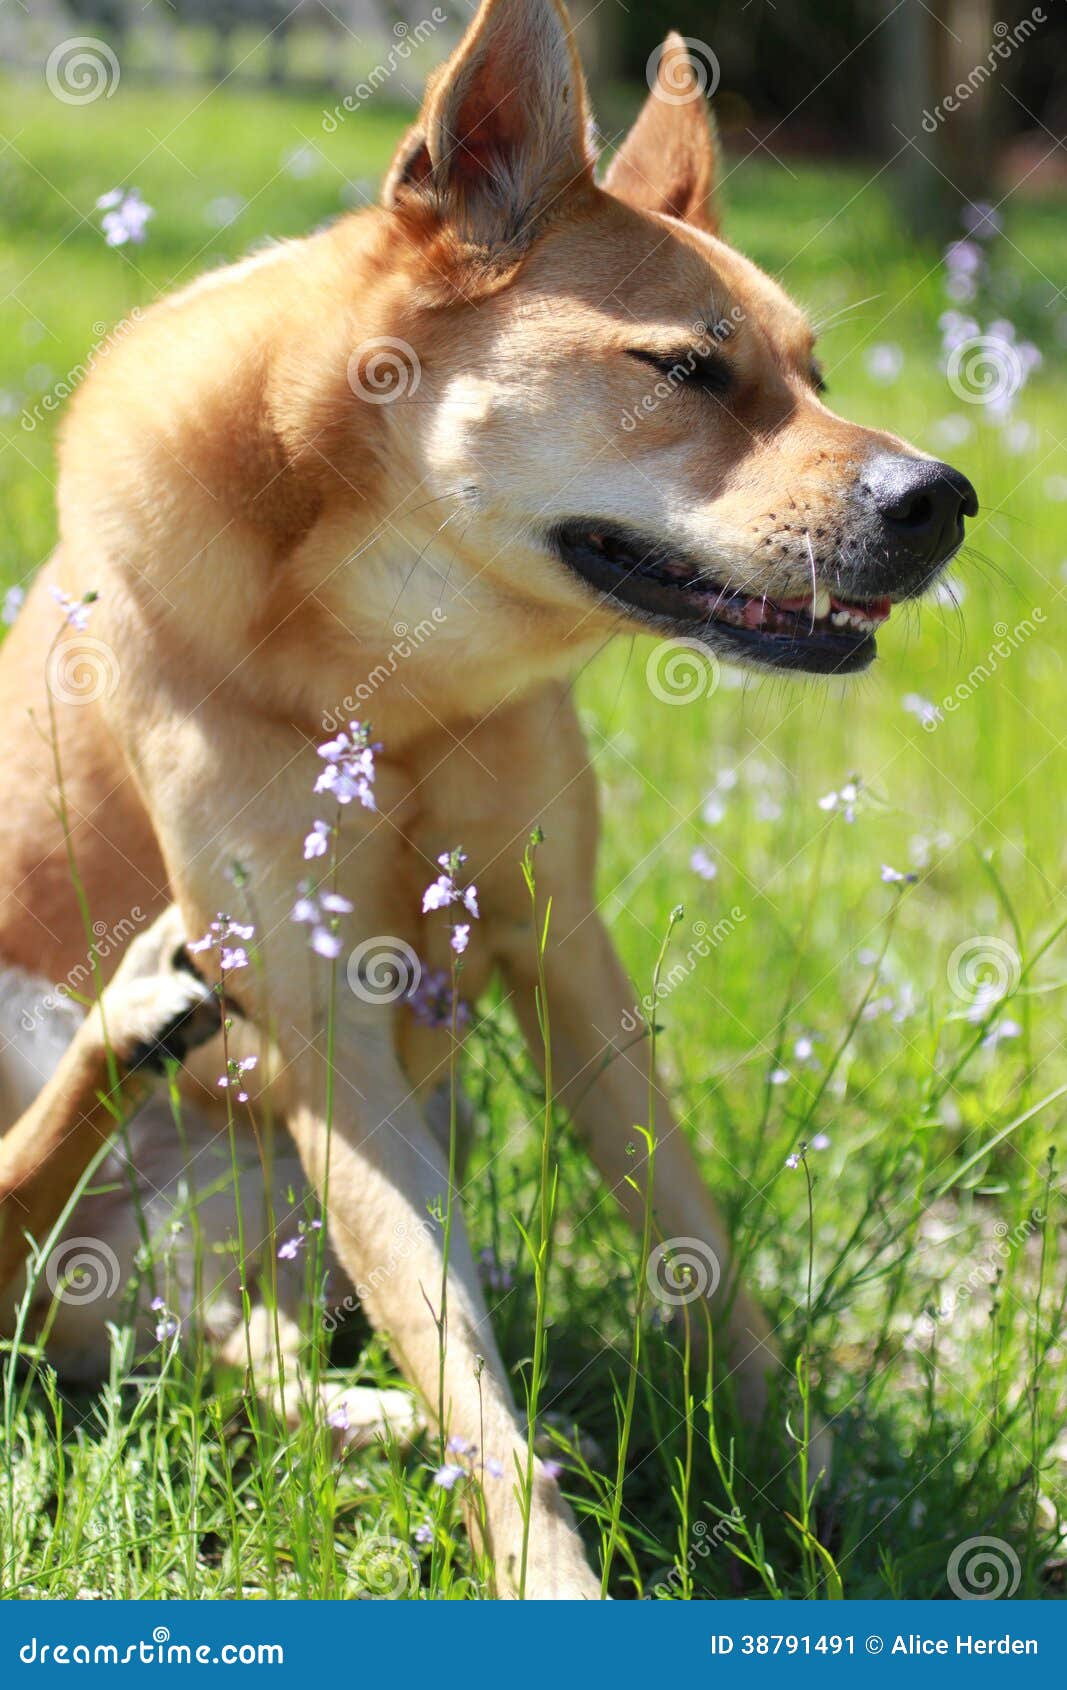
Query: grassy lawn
(918, 1026)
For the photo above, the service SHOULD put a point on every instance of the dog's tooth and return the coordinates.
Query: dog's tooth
(841, 619)
(822, 604)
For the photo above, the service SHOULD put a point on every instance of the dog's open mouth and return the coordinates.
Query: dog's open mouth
(819, 632)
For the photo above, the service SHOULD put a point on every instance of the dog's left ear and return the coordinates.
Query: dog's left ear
(503, 131)
(669, 162)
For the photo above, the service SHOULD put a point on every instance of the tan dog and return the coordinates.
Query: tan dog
(528, 412)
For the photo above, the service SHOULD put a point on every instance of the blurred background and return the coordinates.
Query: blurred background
(852, 77)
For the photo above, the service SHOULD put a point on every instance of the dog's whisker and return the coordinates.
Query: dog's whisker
(843, 311)
(437, 532)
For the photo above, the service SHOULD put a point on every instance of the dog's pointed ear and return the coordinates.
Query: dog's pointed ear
(503, 131)
(669, 162)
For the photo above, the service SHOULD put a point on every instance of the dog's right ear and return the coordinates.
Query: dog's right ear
(502, 133)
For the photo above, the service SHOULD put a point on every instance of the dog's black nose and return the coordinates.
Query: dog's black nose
(921, 502)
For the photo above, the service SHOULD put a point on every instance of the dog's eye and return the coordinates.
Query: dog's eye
(708, 371)
(816, 377)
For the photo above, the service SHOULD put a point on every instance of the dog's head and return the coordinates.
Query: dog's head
(629, 412)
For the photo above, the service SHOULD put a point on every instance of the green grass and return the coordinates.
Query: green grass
(940, 1142)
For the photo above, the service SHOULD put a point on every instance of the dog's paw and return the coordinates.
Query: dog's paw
(158, 1008)
(164, 1019)
(156, 952)
(361, 1417)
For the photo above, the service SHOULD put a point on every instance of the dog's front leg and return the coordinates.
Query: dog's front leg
(156, 1007)
(372, 1158)
(387, 1182)
(603, 1077)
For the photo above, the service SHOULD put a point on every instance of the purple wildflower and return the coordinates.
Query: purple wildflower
(423, 1533)
(846, 801)
(338, 1417)
(334, 904)
(804, 1050)
(821, 1141)
(438, 896)
(326, 944)
(443, 892)
(349, 772)
(1002, 1030)
(794, 1160)
(235, 1075)
(714, 810)
(431, 1001)
(965, 264)
(75, 611)
(317, 842)
(494, 1468)
(702, 864)
(921, 708)
(885, 362)
(447, 1475)
(551, 1469)
(14, 599)
(320, 911)
(218, 936)
(125, 216)
(981, 221)
(168, 1325)
(292, 1247)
